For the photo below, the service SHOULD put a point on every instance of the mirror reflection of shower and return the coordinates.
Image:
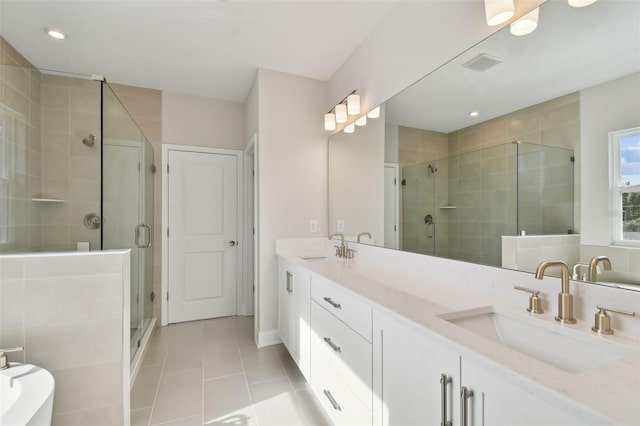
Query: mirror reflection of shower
(428, 221)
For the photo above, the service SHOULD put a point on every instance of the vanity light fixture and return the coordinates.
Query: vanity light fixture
(329, 121)
(362, 121)
(581, 3)
(498, 11)
(341, 113)
(349, 105)
(526, 24)
(374, 113)
(353, 104)
(57, 34)
(350, 128)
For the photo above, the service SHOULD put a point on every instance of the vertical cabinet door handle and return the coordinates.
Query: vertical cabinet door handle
(333, 402)
(465, 395)
(444, 381)
(289, 287)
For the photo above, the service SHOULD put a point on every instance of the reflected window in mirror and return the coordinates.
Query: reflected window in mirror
(625, 167)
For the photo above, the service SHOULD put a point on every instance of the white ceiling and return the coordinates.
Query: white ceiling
(571, 49)
(206, 48)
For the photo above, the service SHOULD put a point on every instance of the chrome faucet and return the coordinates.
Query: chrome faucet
(565, 298)
(364, 233)
(593, 266)
(4, 362)
(341, 251)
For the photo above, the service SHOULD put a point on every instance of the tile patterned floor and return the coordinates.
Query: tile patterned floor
(211, 373)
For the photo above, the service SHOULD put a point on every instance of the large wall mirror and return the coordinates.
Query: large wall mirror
(503, 155)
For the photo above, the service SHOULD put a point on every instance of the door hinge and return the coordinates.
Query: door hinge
(395, 181)
(138, 342)
(167, 296)
(394, 228)
(167, 232)
(167, 168)
(138, 166)
(153, 296)
(253, 172)
(138, 299)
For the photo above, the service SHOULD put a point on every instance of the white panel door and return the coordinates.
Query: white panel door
(390, 207)
(203, 233)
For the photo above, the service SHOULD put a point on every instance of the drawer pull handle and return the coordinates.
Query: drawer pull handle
(333, 402)
(332, 303)
(289, 286)
(333, 345)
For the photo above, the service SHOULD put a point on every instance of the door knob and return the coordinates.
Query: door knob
(230, 243)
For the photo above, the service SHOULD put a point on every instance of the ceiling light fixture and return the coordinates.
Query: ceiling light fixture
(474, 114)
(498, 11)
(57, 34)
(350, 128)
(581, 3)
(526, 24)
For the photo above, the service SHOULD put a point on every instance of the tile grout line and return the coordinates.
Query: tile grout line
(246, 382)
(155, 398)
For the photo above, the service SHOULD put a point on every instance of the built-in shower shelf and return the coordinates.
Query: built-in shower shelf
(448, 207)
(45, 199)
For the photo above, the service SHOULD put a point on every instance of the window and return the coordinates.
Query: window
(625, 149)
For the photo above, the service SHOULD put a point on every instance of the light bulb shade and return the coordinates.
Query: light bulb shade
(525, 25)
(330, 121)
(498, 11)
(353, 104)
(581, 3)
(350, 128)
(362, 121)
(374, 113)
(341, 113)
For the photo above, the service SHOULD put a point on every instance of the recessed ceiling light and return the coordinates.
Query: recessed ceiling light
(57, 34)
(474, 114)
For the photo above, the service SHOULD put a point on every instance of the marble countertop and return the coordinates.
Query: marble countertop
(608, 394)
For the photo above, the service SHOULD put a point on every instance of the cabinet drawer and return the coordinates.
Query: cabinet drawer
(349, 308)
(337, 399)
(344, 350)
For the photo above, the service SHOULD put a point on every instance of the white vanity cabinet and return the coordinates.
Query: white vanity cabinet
(418, 381)
(341, 353)
(421, 381)
(294, 313)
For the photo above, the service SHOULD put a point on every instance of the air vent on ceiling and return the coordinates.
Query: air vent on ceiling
(482, 62)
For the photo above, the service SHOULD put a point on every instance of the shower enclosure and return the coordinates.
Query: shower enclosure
(460, 206)
(76, 173)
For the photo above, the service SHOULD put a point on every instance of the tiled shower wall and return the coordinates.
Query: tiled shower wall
(70, 169)
(553, 123)
(20, 152)
(70, 311)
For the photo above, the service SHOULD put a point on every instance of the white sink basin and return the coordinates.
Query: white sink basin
(26, 395)
(553, 344)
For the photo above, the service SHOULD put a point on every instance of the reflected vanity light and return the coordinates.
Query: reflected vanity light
(362, 121)
(374, 113)
(474, 114)
(330, 121)
(350, 128)
(526, 24)
(498, 11)
(581, 3)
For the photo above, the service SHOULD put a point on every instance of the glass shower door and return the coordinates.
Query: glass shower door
(127, 206)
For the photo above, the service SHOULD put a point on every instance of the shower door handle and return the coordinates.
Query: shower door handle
(147, 239)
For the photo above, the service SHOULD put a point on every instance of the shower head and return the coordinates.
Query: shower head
(431, 168)
(89, 140)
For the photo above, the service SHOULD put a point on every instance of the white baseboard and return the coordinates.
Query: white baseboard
(268, 338)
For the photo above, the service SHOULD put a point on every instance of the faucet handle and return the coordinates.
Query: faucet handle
(535, 302)
(603, 321)
(4, 363)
